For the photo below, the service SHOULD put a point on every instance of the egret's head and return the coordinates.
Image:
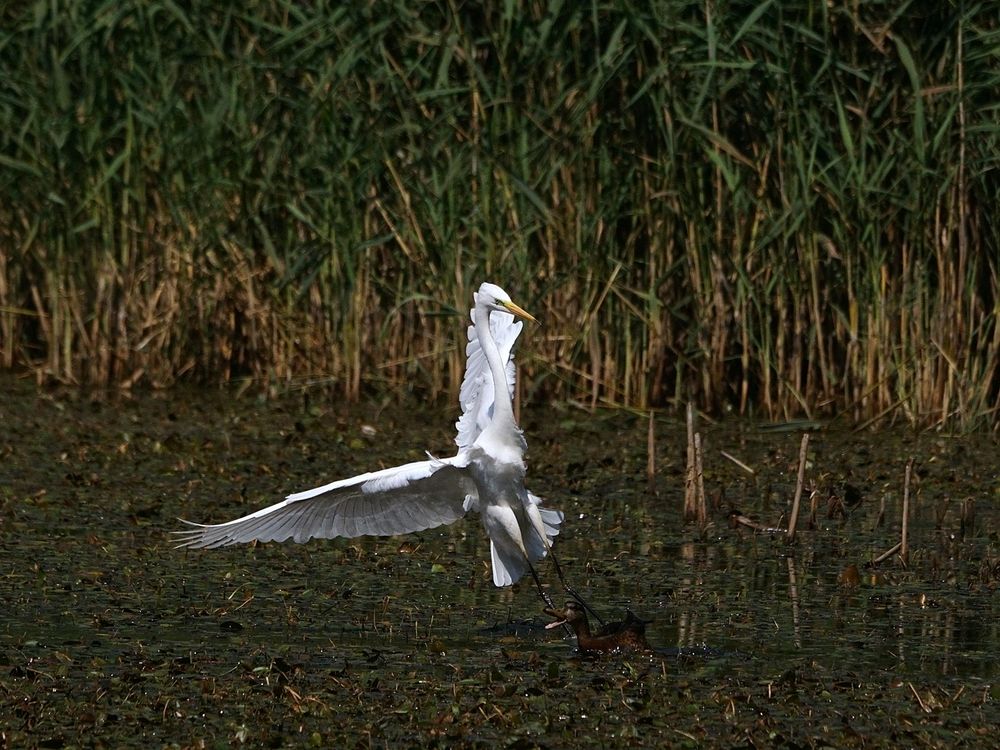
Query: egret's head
(493, 297)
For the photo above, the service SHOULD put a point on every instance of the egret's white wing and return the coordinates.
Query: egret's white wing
(476, 394)
(399, 500)
(551, 519)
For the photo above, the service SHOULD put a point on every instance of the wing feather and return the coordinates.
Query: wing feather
(476, 394)
(412, 497)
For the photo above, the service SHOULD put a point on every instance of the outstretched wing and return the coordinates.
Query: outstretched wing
(399, 500)
(476, 394)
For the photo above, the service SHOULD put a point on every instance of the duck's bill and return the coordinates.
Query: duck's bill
(560, 618)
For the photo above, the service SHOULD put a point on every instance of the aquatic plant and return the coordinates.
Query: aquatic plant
(774, 208)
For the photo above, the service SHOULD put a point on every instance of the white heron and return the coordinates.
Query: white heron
(486, 475)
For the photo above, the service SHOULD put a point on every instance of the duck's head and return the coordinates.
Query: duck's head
(571, 613)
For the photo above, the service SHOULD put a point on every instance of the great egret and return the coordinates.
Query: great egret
(486, 475)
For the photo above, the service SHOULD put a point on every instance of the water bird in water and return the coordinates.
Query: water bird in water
(486, 475)
(627, 635)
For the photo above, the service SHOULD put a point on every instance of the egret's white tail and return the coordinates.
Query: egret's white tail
(509, 562)
(509, 566)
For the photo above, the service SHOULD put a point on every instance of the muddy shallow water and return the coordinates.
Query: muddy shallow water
(109, 636)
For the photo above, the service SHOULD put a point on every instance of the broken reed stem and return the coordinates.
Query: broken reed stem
(968, 523)
(904, 546)
(887, 554)
(926, 709)
(813, 502)
(880, 519)
(651, 453)
(941, 511)
(690, 502)
(700, 486)
(738, 519)
(749, 470)
(798, 487)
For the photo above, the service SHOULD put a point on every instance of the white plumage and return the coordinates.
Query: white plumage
(486, 475)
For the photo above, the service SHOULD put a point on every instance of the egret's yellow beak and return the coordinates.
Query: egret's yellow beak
(516, 310)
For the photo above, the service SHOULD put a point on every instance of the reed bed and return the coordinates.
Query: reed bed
(772, 208)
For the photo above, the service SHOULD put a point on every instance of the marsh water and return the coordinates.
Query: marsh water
(109, 636)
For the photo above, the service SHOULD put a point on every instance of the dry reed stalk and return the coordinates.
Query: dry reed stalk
(904, 546)
(940, 511)
(887, 554)
(880, 518)
(690, 492)
(968, 522)
(799, 482)
(700, 480)
(341, 199)
(920, 701)
(738, 519)
(651, 453)
(739, 463)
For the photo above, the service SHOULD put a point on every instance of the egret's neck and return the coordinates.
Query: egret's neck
(503, 411)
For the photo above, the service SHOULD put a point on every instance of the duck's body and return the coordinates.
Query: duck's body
(626, 635)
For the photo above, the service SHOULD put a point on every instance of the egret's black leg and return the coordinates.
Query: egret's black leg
(571, 591)
(545, 597)
(538, 584)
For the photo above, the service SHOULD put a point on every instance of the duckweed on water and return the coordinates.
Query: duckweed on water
(111, 637)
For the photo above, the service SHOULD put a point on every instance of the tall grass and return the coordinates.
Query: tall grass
(774, 208)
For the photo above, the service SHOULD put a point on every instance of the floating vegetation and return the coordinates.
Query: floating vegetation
(111, 637)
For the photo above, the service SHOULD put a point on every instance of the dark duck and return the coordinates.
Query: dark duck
(626, 635)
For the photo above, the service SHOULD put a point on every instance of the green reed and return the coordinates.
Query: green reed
(775, 208)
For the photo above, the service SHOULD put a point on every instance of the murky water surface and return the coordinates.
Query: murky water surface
(108, 635)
